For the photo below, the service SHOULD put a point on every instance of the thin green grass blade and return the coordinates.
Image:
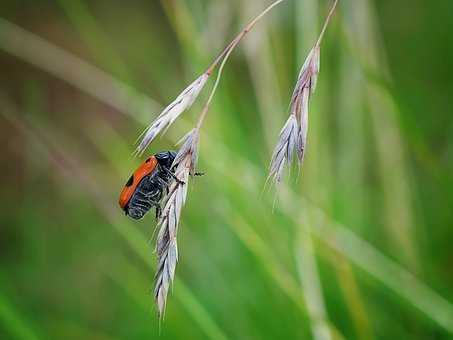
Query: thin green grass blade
(363, 34)
(88, 79)
(16, 326)
(311, 285)
(342, 239)
(87, 26)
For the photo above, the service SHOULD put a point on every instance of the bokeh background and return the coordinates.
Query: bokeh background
(359, 246)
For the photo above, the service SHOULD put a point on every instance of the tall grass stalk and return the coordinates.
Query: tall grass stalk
(349, 183)
(292, 140)
(321, 327)
(352, 295)
(311, 285)
(340, 238)
(363, 34)
(305, 253)
(371, 260)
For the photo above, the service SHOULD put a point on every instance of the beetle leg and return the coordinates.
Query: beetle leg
(173, 175)
(198, 174)
(158, 211)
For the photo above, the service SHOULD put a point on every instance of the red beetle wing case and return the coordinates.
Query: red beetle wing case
(143, 170)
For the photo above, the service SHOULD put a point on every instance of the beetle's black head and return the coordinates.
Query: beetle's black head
(165, 158)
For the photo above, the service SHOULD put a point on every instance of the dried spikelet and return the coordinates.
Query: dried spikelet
(305, 87)
(167, 246)
(185, 161)
(283, 152)
(298, 121)
(172, 112)
(303, 126)
(189, 146)
(293, 136)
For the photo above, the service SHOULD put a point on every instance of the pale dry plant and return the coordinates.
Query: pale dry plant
(293, 136)
(183, 102)
(188, 96)
(184, 164)
(166, 246)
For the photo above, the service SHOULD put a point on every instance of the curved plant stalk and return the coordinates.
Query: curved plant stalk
(293, 136)
(185, 164)
(188, 96)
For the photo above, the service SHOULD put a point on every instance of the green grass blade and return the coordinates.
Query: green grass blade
(87, 26)
(15, 325)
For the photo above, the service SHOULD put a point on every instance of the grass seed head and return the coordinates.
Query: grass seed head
(166, 244)
(283, 152)
(183, 102)
(293, 136)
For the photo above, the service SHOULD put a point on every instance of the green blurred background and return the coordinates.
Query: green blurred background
(359, 247)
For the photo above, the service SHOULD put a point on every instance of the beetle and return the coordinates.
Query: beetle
(147, 185)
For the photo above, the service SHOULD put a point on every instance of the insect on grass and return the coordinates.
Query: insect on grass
(170, 177)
